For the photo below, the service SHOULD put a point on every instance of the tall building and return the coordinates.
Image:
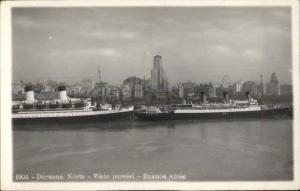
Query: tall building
(87, 85)
(189, 89)
(208, 89)
(211, 90)
(237, 88)
(126, 92)
(273, 85)
(113, 92)
(132, 81)
(261, 87)
(17, 88)
(180, 90)
(138, 92)
(158, 76)
(100, 89)
(226, 81)
(251, 87)
(74, 89)
(135, 84)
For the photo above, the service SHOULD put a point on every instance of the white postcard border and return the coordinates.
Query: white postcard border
(6, 130)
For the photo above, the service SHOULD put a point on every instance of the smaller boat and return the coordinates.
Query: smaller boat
(154, 113)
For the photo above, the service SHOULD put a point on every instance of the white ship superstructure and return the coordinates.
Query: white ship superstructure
(195, 109)
(227, 106)
(68, 113)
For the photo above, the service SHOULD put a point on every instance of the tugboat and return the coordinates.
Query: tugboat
(64, 109)
(227, 110)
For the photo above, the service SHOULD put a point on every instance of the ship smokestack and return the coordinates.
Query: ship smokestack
(62, 93)
(225, 97)
(203, 97)
(29, 94)
(248, 95)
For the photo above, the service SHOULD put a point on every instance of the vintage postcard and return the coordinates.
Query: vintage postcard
(159, 95)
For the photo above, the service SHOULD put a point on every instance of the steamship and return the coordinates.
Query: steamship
(228, 109)
(64, 109)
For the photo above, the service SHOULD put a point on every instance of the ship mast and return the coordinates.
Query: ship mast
(100, 82)
(167, 93)
(262, 89)
(133, 93)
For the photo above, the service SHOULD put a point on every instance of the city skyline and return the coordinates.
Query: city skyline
(196, 44)
(266, 79)
(137, 88)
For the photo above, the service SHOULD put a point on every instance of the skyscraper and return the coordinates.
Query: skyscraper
(273, 86)
(226, 81)
(261, 87)
(158, 76)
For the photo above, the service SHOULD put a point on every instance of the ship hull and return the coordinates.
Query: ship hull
(268, 113)
(154, 116)
(74, 119)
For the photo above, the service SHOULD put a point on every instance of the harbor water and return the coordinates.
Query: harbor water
(192, 150)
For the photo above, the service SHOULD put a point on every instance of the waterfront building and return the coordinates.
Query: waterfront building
(219, 91)
(132, 81)
(74, 89)
(226, 82)
(48, 88)
(273, 85)
(38, 87)
(237, 87)
(115, 92)
(201, 88)
(147, 84)
(158, 76)
(180, 90)
(211, 90)
(51, 86)
(286, 89)
(18, 88)
(100, 89)
(112, 92)
(261, 86)
(250, 86)
(108, 92)
(189, 89)
(87, 85)
(208, 89)
(46, 95)
(175, 90)
(138, 92)
(126, 92)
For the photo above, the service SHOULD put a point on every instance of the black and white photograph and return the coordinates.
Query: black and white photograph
(173, 94)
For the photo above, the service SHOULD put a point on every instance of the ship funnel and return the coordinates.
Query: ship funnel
(62, 93)
(248, 95)
(225, 97)
(29, 94)
(203, 97)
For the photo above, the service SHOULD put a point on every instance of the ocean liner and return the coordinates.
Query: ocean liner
(64, 109)
(229, 109)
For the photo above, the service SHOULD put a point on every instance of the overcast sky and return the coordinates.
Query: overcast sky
(196, 44)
